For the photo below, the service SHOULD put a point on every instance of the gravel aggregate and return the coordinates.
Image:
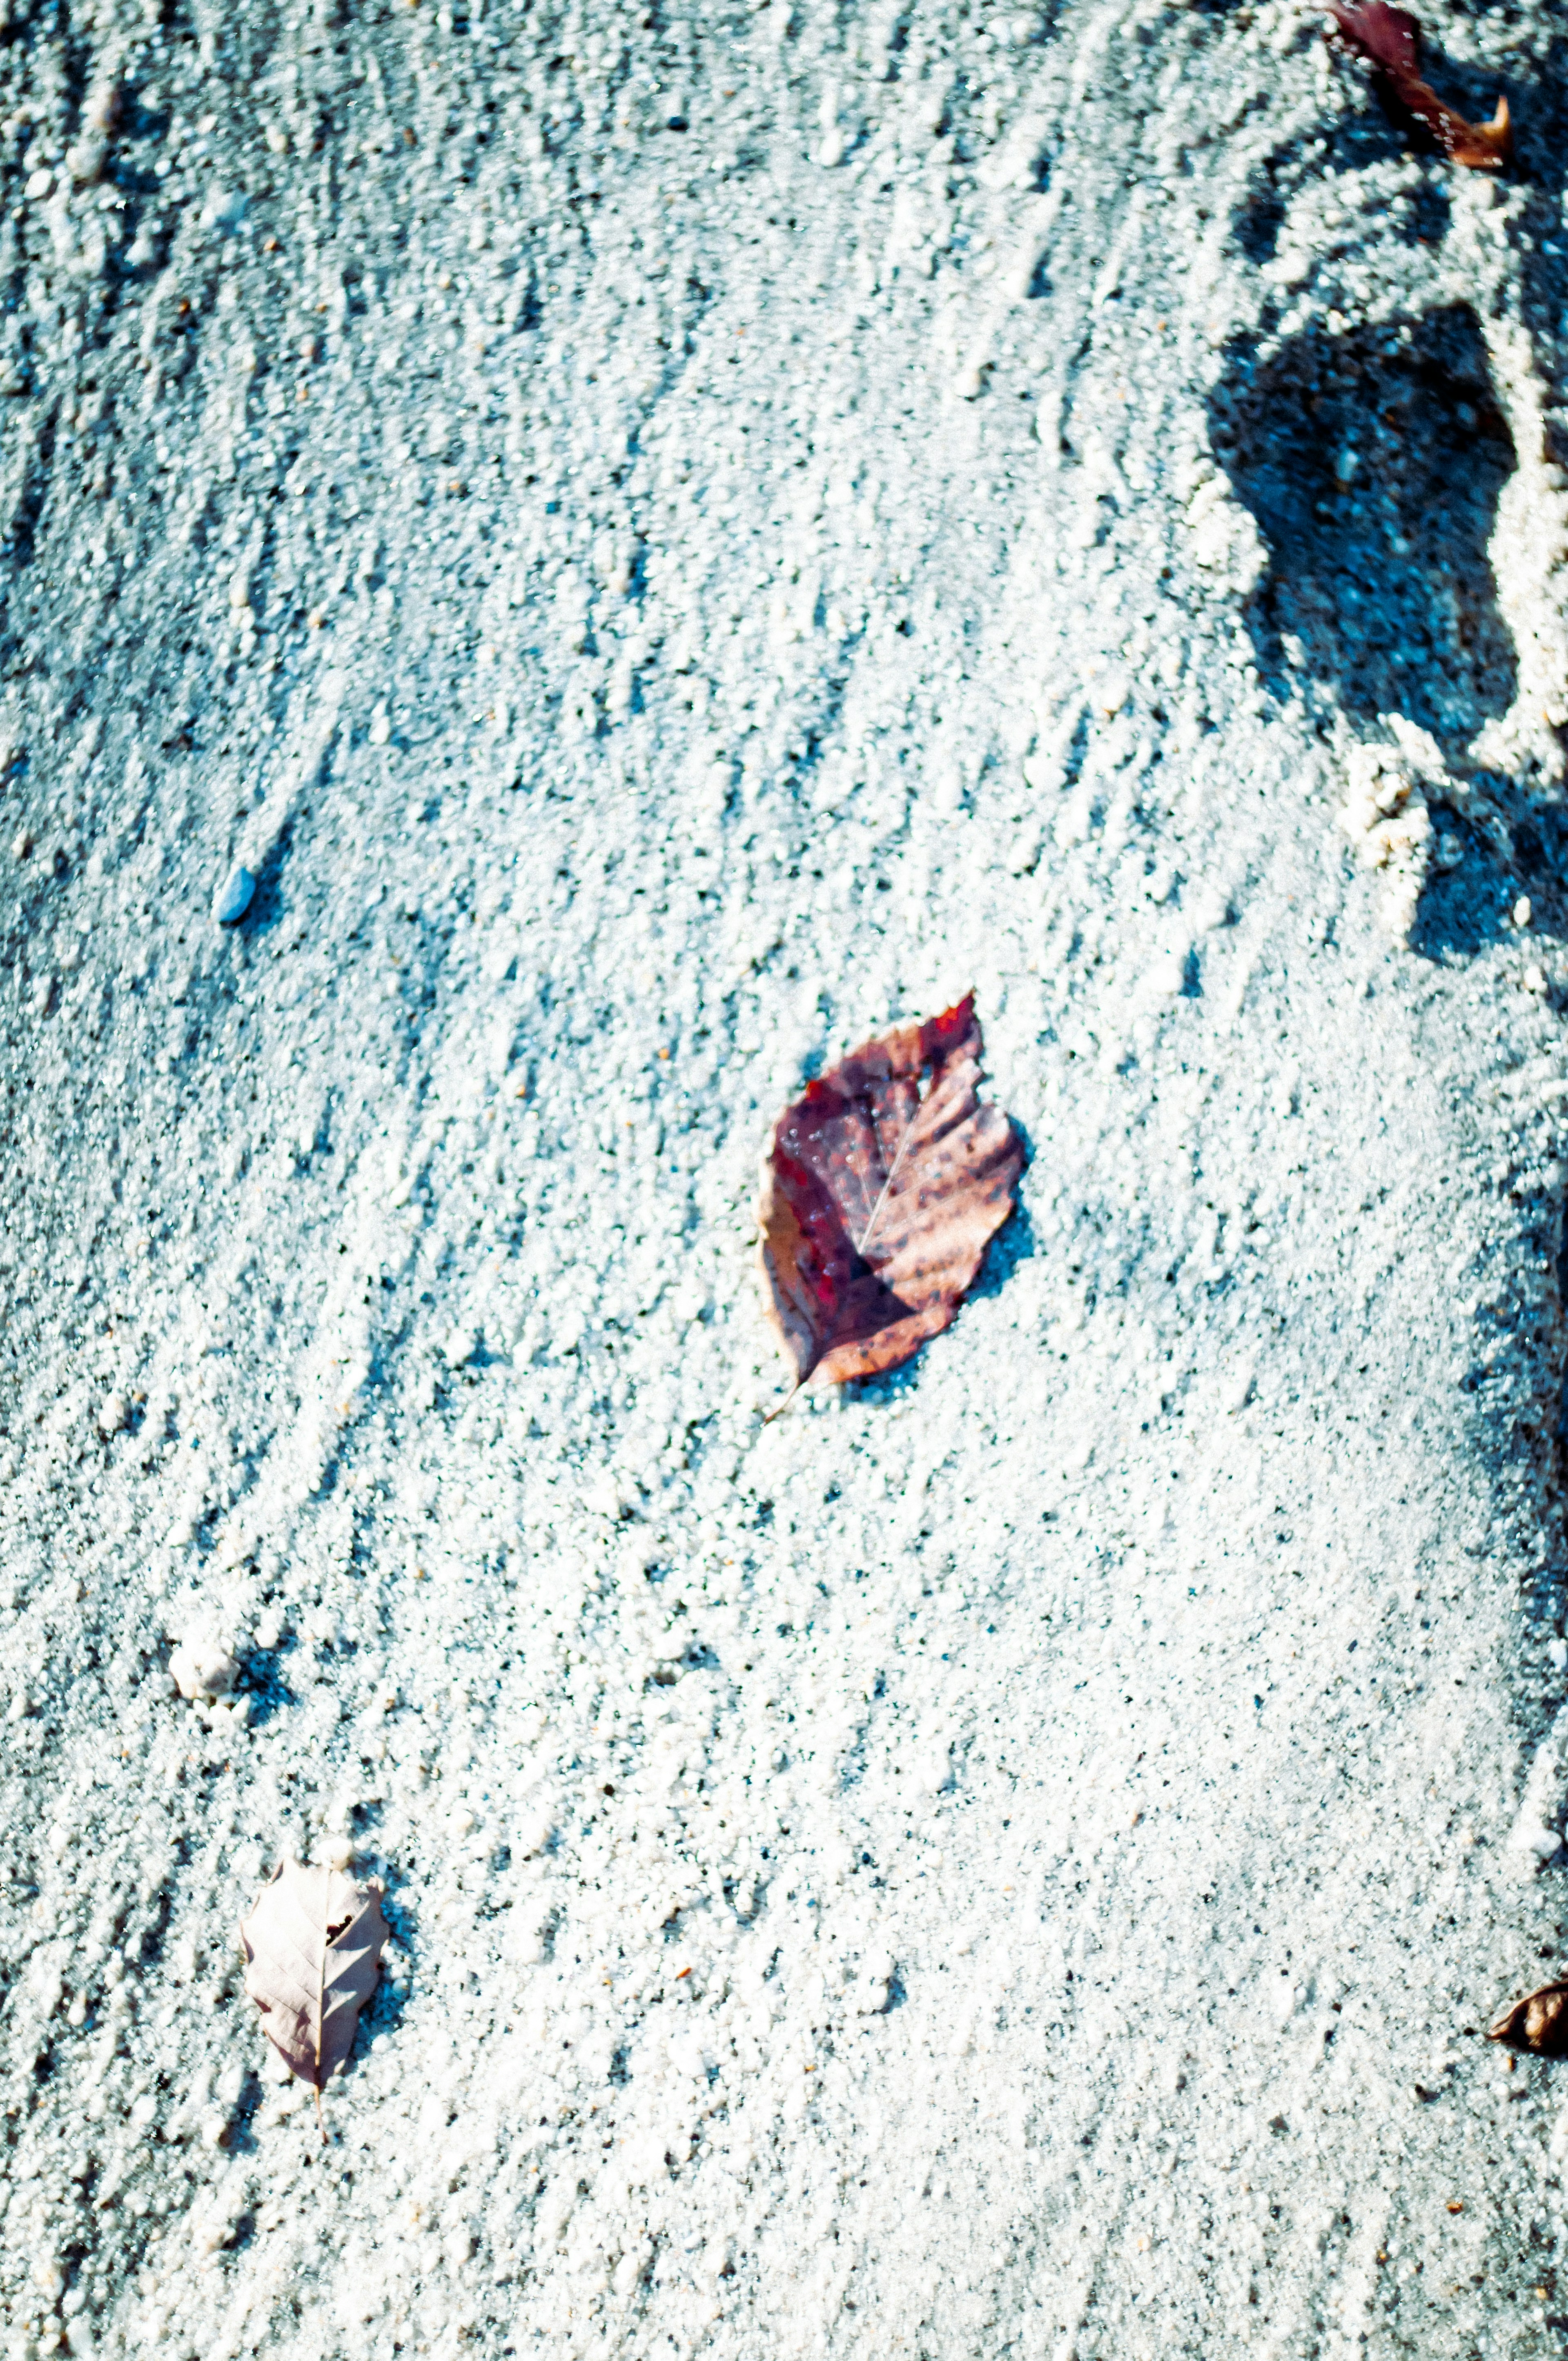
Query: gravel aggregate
(561, 567)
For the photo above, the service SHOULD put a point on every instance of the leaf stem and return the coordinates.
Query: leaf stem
(786, 1402)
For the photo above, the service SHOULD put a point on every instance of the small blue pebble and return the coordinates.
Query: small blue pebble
(233, 898)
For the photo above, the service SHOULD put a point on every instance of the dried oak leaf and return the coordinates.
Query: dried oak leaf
(1389, 39)
(877, 1202)
(312, 1949)
(1539, 2022)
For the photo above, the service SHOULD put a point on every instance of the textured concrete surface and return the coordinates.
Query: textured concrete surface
(665, 543)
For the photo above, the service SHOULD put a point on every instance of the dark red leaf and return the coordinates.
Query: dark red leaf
(1389, 39)
(877, 1201)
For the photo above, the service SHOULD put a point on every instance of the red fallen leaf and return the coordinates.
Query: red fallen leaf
(877, 1203)
(1389, 39)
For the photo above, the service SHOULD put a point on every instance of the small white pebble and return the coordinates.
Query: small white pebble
(103, 107)
(381, 727)
(223, 209)
(1165, 979)
(1533, 978)
(461, 1347)
(85, 158)
(200, 1670)
(144, 2110)
(40, 182)
(233, 898)
(215, 2131)
(114, 1414)
(1521, 911)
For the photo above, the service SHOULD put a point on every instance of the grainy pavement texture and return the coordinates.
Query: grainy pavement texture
(666, 541)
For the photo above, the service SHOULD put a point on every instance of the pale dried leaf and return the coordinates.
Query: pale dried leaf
(312, 1947)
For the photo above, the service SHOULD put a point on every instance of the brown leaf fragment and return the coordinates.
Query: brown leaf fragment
(1389, 39)
(312, 1949)
(877, 1203)
(1538, 2022)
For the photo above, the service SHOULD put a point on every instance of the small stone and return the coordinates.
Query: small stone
(1528, 1838)
(203, 1671)
(232, 898)
(381, 727)
(87, 157)
(21, 844)
(1533, 978)
(1165, 979)
(225, 209)
(1522, 911)
(461, 1347)
(104, 105)
(114, 1414)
